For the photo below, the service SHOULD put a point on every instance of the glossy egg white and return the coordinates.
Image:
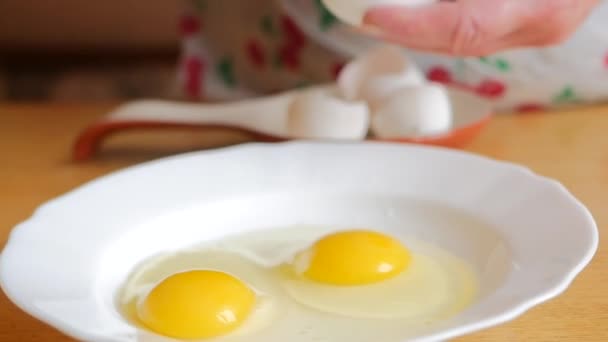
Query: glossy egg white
(269, 303)
(434, 287)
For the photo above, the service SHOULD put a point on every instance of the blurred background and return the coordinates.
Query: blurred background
(73, 50)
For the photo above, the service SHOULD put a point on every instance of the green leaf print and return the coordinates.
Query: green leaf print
(200, 5)
(277, 62)
(459, 67)
(225, 70)
(302, 84)
(267, 26)
(567, 94)
(326, 18)
(503, 65)
(498, 63)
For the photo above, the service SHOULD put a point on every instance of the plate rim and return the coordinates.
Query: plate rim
(512, 313)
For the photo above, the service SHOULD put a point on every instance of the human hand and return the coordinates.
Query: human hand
(479, 27)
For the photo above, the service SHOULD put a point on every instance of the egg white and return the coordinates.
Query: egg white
(269, 301)
(432, 287)
(300, 311)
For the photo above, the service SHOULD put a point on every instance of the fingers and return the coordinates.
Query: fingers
(462, 28)
(427, 28)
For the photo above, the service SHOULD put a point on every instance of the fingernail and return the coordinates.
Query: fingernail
(371, 30)
(372, 16)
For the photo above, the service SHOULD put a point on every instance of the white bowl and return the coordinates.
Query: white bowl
(64, 264)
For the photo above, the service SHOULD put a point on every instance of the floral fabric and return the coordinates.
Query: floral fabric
(241, 48)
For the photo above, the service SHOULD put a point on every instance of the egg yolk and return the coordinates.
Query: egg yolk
(353, 258)
(197, 304)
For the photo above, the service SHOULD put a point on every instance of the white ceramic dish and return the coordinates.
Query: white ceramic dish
(64, 264)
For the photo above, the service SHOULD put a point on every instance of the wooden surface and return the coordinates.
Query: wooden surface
(569, 146)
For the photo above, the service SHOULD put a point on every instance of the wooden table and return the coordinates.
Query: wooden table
(571, 146)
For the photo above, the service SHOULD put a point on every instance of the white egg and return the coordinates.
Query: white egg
(353, 11)
(324, 115)
(415, 111)
(378, 74)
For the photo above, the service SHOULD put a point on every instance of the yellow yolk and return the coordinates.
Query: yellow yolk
(353, 258)
(197, 304)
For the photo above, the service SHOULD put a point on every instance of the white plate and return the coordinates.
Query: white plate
(64, 264)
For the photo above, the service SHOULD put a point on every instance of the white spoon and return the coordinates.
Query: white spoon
(314, 113)
(325, 115)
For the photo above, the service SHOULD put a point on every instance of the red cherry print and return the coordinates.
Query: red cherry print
(189, 25)
(293, 35)
(255, 53)
(195, 68)
(290, 57)
(529, 107)
(439, 74)
(294, 41)
(336, 68)
(491, 88)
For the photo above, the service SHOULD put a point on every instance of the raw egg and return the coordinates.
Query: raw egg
(370, 274)
(353, 258)
(297, 284)
(200, 295)
(197, 304)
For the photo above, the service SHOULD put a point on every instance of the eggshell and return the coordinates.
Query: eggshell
(352, 11)
(375, 76)
(325, 115)
(413, 112)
